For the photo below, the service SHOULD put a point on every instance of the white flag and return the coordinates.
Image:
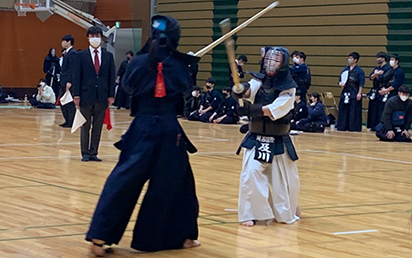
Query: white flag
(79, 120)
(66, 98)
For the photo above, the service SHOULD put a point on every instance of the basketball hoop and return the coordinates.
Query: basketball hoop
(19, 10)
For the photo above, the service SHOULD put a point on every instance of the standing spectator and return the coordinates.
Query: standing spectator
(301, 73)
(396, 118)
(240, 61)
(210, 102)
(51, 67)
(350, 104)
(69, 109)
(61, 58)
(94, 79)
(378, 94)
(397, 76)
(45, 97)
(193, 103)
(226, 113)
(122, 98)
(193, 69)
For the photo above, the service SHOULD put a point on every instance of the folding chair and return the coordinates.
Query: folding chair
(329, 97)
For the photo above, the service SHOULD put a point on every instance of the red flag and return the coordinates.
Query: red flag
(160, 90)
(107, 121)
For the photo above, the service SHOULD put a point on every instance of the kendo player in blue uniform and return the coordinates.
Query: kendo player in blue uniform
(397, 76)
(378, 95)
(350, 104)
(301, 74)
(154, 148)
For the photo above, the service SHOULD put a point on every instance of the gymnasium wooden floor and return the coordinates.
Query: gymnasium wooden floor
(356, 193)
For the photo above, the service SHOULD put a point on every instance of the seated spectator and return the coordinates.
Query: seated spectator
(3, 96)
(396, 118)
(193, 103)
(300, 110)
(209, 104)
(316, 120)
(226, 113)
(45, 97)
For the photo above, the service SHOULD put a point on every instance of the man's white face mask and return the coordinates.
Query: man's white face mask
(392, 63)
(95, 42)
(404, 98)
(296, 60)
(43, 84)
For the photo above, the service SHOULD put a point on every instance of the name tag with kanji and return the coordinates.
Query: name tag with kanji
(265, 148)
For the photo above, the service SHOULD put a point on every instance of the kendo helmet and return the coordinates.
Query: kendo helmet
(165, 30)
(275, 60)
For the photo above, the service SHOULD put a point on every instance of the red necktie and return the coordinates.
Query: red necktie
(96, 61)
(160, 90)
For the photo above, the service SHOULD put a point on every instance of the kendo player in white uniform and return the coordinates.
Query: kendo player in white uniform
(269, 182)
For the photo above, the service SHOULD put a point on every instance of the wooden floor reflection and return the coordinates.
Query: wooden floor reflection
(350, 182)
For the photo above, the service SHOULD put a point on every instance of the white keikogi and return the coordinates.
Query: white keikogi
(269, 182)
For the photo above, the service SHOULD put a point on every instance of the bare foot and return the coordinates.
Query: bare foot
(97, 248)
(191, 243)
(98, 251)
(249, 223)
(298, 212)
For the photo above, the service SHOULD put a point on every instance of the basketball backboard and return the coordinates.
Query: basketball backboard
(33, 5)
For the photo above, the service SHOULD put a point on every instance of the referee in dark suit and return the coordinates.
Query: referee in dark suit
(94, 79)
(69, 109)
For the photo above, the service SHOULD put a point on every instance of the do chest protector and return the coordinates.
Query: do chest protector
(265, 125)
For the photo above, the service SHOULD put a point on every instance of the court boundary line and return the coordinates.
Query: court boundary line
(355, 232)
(356, 156)
(353, 206)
